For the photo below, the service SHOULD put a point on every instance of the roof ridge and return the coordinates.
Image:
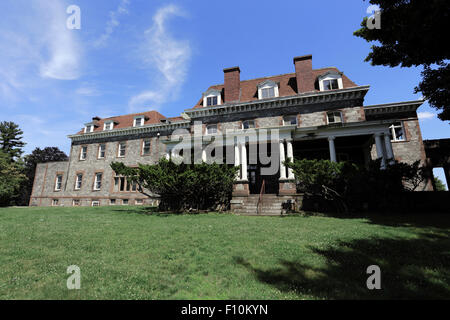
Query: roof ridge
(136, 113)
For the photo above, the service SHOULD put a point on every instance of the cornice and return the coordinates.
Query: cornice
(396, 107)
(280, 102)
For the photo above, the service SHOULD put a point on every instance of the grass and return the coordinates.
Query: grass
(132, 253)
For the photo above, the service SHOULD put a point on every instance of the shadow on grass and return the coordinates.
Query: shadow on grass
(410, 269)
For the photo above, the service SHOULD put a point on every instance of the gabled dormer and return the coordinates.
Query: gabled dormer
(212, 97)
(268, 89)
(330, 80)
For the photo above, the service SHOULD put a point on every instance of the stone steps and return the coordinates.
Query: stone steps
(270, 205)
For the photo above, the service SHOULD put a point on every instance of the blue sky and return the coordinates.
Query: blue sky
(137, 55)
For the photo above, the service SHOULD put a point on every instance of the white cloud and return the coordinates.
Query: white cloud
(112, 23)
(426, 115)
(169, 56)
(38, 47)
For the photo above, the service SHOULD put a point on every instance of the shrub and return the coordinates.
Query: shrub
(183, 187)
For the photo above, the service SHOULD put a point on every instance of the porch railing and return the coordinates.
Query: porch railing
(263, 189)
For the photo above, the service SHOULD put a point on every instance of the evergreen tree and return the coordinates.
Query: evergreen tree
(11, 139)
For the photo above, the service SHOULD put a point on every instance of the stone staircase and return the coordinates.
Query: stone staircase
(270, 205)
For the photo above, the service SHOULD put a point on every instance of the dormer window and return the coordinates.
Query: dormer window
(211, 129)
(332, 80)
(89, 128)
(248, 124)
(268, 89)
(138, 121)
(211, 101)
(109, 125)
(334, 117)
(212, 97)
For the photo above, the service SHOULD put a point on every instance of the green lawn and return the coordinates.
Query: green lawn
(131, 253)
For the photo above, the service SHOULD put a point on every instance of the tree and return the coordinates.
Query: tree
(11, 178)
(48, 154)
(440, 186)
(11, 139)
(414, 33)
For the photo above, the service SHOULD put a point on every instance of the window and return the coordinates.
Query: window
(101, 151)
(98, 181)
(89, 128)
(125, 201)
(290, 120)
(109, 125)
(55, 202)
(211, 129)
(58, 182)
(331, 84)
(122, 149)
(268, 93)
(248, 124)
(112, 202)
(267, 89)
(76, 202)
(95, 203)
(78, 181)
(334, 117)
(146, 147)
(139, 201)
(83, 153)
(396, 132)
(211, 101)
(138, 121)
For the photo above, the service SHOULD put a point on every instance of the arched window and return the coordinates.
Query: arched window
(267, 89)
(330, 80)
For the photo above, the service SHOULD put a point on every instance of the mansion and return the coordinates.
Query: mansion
(309, 113)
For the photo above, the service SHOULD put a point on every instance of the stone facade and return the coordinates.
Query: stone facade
(363, 128)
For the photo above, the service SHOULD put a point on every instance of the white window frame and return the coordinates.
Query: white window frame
(125, 204)
(119, 149)
(85, 153)
(55, 202)
(268, 84)
(211, 93)
(100, 151)
(78, 181)
(76, 205)
(208, 132)
(107, 123)
(334, 117)
(95, 203)
(243, 124)
(139, 202)
(290, 124)
(393, 134)
(58, 188)
(97, 182)
(149, 147)
(90, 126)
(331, 76)
(141, 121)
(112, 202)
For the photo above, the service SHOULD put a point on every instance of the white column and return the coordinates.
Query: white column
(379, 146)
(244, 161)
(290, 155)
(204, 154)
(387, 143)
(332, 149)
(172, 153)
(282, 158)
(236, 159)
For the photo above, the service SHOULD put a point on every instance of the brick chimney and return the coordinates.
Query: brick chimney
(304, 74)
(232, 84)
